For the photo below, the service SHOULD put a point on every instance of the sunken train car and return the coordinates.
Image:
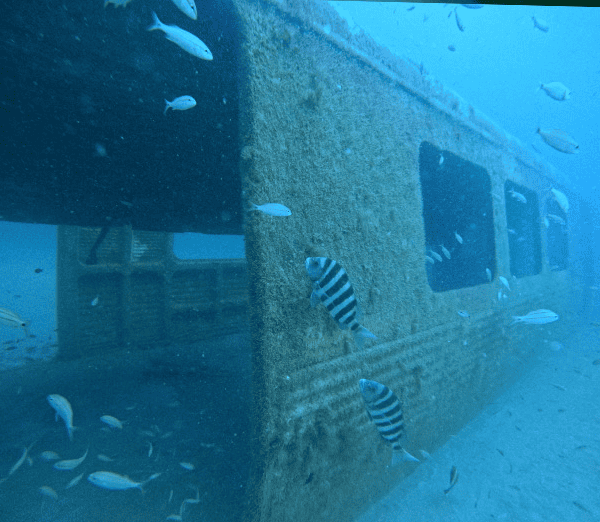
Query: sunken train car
(436, 215)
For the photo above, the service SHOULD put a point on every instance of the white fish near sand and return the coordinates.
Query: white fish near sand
(536, 317)
(556, 91)
(187, 41)
(488, 273)
(113, 422)
(11, 319)
(540, 24)
(272, 209)
(430, 260)
(504, 281)
(458, 237)
(385, 410)
(70, 464)
(187, 7)
(559, 140)
(561, 199)
(63, 410)
(463, 313)
(446, 252)
(518, 196)
(187, 465)
(332, 287)
(183, 103)
(116, 482)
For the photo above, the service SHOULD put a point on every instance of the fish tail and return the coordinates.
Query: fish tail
(253, 205)
(401, 455)
(157, 23)
(167, 107)
(361, 334)
(516, 319)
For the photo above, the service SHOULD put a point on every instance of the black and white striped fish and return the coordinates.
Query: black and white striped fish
(385, 410)
(332, 287)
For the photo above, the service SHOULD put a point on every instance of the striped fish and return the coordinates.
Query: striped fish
(385, 410)
(9, 318)
(332, 287)
(536, 317)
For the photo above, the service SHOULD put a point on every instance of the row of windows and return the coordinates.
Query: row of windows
(459, 224)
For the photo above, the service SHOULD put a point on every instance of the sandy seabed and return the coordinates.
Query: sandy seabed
(532, 455)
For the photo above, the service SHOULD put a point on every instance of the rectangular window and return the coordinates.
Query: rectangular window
(459, 220)
(523, 228)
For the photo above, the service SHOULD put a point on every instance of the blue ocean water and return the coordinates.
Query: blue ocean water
(497, 65)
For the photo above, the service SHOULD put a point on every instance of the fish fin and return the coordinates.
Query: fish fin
(361, 334)
(401, 455)
(315, 298)
(157, 24)
(167, 107)
(516, 319)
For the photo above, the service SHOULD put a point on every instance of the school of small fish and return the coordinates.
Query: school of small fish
(106, 479)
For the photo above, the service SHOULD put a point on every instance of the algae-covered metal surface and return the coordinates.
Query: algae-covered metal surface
(333, 126)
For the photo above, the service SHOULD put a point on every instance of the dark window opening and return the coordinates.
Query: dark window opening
(557, 238)
(459, 220)
(523, 228)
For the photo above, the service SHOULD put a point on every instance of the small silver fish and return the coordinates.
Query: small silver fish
(536, 317)
(463, 313)
(187, 7)
(559, 140)
(187, 41)
(430, 260)
(458, 22)
(95, 301)
(556, 219)
(441, 159)
(70, 464)
(504, 281)
(19, 462)
(436, 256)
(11, 319)
(49, 456)
(182, 103)
(63, 410)
(561, 199)
(453, 479)
(116, 482)
(113, 422)
(556, 91)
(385, 410)
(187, 465)
(74, 481)
(104, 458)
(518, 196)
(488, 273)
(47, 491)
(540, 24)
(272, 209)
(446, 252)
(458, 237)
